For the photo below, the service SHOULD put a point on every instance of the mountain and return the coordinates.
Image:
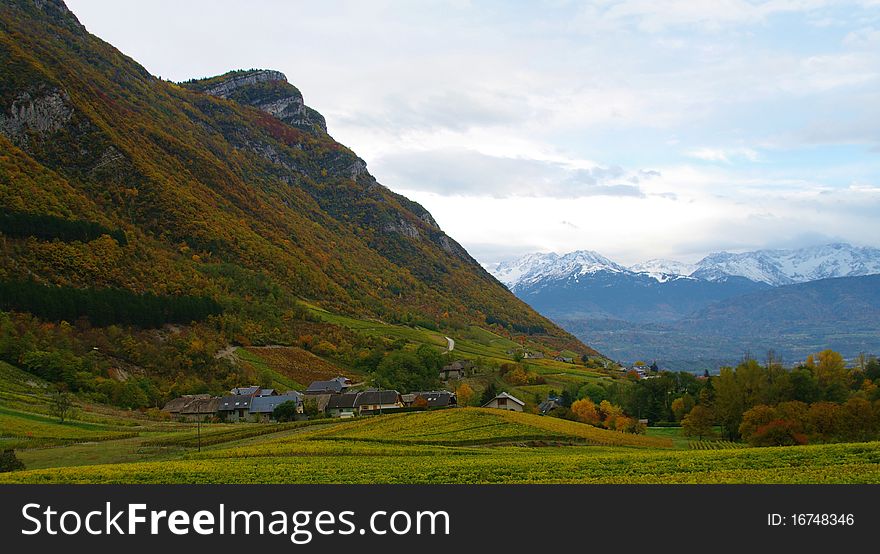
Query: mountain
(773, 267)
(785, 267)
(663, 270)
(585, 284)
(222, 200)
(793, 320)
(531, 269)
(708, 312)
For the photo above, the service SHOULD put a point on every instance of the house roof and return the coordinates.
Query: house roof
(507, 396)
(234, 402)
(267, 404)
(437, 399)
(549, 404)
(346, 400)
(202, 406)
(246, 391)
(369, 397)
(333, 385)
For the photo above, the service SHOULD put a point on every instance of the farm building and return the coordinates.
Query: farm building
(505, 401)
(342, 405)
(550, 404)
(434, 399)
(188, 402)
(200, 409)
(337, 385)
(455, 370)
(235, 407)
(261, 407)
(377, 400)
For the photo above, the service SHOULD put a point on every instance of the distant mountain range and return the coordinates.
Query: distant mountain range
(709, 313)
(773, 267)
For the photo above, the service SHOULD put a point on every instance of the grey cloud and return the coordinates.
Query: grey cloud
(469, 173)
(451, 110)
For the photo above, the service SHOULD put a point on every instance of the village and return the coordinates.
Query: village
(335, 398)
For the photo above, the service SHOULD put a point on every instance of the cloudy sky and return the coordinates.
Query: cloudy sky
(637, 128)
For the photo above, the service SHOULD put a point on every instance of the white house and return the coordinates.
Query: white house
(505, 401)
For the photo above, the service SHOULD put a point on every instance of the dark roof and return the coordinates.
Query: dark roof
(235, 402)
(334, 385)
(267, 404)
(267, 392)
(346, 400)
(549, 404)
(245, 391)
(438, 399)
(377, 397)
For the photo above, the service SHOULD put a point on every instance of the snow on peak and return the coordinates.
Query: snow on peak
(663, 270)
(785, 267)
(534, 267)
(774, 267)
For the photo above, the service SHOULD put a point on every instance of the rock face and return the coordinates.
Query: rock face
(37, 112)
(267, 90)
(227, 85)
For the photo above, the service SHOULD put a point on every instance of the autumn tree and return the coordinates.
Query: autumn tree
(585, 411)
(832, 375)
(824, 421)
(682, 405)
(754, 418)
(729, 405)
(698, 423)
(464, 394)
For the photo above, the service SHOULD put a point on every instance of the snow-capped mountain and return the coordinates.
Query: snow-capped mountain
(785, 267)
(663, 270)
(773, 267)
(536, 267)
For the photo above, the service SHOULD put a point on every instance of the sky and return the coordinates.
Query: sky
(640, 129)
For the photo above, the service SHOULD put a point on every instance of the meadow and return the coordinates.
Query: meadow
(463, 445)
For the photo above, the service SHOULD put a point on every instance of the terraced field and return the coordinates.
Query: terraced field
(840, 463)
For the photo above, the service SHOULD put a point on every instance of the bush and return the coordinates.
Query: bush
(9, 462)
(779, 432)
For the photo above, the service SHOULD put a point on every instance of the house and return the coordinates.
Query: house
(337, 385)
(533, 355)
(261, 407)
(564, 359)
(456, 370)
(245, 391)
(252, 390)
(436, 399)
(549, 405)
(235, 407)
(370, 401)
(342, 405)
(321, 401)
(176, 407)
(201, 408)
(505, 401)
(408, 399)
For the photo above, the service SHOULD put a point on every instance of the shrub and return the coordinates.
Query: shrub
(9, 462)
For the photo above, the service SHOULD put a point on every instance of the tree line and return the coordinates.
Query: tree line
(104, 307)
(48, 227)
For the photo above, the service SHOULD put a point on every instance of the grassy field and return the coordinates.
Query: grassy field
(449, 446)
